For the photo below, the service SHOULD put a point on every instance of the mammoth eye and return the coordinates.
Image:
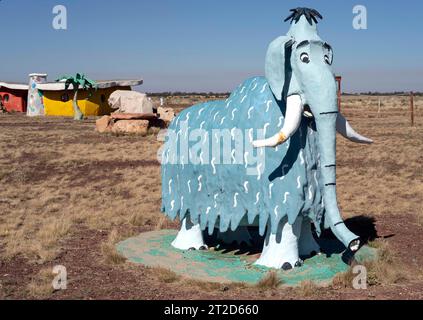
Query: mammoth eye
(304, 57)
(327, 60)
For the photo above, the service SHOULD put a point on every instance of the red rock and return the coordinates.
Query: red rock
(133, 116)
(104, 124)
(131, 126)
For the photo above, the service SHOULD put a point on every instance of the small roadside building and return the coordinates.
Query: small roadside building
(51, 99)
(58, 101)
(13, 96)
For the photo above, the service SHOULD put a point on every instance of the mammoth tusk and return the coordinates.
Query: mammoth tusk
(345, 129)
(294, 111)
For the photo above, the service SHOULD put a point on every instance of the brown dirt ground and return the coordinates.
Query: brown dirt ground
(65, 189)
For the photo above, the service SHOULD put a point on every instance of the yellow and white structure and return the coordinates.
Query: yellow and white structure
(58, 101)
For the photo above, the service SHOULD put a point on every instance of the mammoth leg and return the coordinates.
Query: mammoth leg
(308, 246)
(281, 249)
(190, 237)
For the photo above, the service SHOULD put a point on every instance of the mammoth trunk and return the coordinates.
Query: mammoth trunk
(77, 114)
(326, 127)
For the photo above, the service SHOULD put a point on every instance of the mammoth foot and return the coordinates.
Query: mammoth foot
(287, 266)
(281, 250)
(190, 237)
(276, 261)
(202, 248)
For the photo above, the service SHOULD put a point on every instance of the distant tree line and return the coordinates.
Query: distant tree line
(220, 94)
(185, 94)
(376, 93)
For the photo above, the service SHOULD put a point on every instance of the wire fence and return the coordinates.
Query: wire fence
(377, 106)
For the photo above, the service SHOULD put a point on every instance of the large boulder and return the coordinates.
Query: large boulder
(134, 116)
(166, 114)
(104, 124)
(131, 126)
(125, 101)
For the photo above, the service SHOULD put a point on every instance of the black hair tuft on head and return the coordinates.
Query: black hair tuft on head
(310, 14)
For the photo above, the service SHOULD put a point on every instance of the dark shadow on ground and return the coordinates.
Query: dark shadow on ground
(363, 226)
(253, 248)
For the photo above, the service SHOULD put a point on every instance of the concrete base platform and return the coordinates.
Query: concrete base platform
(226, 265)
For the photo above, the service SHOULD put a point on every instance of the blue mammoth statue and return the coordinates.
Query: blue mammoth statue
(265, 157)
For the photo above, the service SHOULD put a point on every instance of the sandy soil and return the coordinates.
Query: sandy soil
(68, 194)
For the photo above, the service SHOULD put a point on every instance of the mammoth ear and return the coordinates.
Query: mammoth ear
(278, 65)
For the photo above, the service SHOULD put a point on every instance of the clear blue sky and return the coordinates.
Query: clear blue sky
(205, 45)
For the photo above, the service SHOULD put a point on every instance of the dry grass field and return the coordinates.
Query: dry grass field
(68, 194)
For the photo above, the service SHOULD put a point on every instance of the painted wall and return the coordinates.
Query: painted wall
(13, 100)
(59, 103)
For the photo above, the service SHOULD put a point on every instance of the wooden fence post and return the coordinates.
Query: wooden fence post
(412, 108)
(338, 80)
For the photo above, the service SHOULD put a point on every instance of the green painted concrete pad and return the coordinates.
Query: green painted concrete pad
(154, 249)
